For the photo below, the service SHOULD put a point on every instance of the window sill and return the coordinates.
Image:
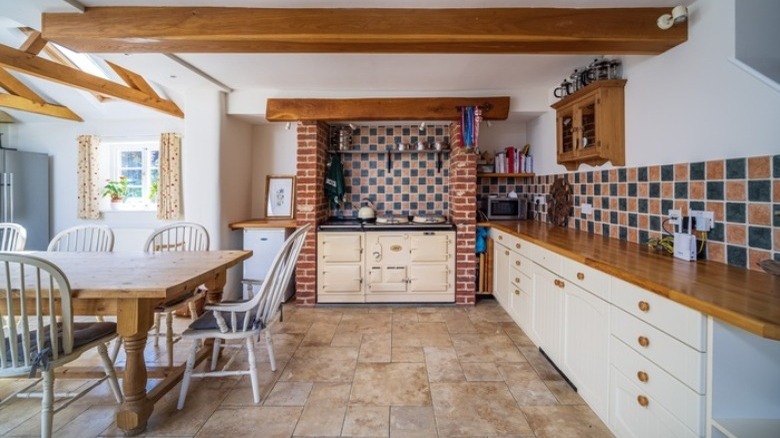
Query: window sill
(129, 208)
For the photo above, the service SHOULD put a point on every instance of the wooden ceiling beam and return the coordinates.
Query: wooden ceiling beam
(16, 87)
(133, 80)
(412, 108)
(26, 63)
(316, 30)
(34, 43)
(47, 109)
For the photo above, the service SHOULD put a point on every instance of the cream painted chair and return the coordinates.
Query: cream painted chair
(38, 340)
(86, 238)
(83, 238)
(12, 237)
(244, 320)
(181, 236)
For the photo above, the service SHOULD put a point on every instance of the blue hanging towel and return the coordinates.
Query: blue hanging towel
(482, 234)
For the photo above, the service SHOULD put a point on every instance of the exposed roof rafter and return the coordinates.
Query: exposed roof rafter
(27, 63)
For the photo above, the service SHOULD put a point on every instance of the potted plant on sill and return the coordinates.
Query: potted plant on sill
(117, 190)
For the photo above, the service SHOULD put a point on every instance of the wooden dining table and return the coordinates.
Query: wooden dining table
(130, 285)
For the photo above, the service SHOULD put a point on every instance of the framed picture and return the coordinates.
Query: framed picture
(279, 197)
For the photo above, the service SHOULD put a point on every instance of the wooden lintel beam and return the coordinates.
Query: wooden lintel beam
(133, 80)
(16, 87)
(402, 108)
(364, 30)
(48, 109)
(53, 71)
(6, 118)
(34, 43)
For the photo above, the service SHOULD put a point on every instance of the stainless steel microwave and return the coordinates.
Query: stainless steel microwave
(497, 208)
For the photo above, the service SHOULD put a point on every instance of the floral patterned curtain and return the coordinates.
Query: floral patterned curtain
(88, 190)
(169, 184)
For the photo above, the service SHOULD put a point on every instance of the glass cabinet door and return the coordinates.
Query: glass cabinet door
(587, 125)
(566, 132)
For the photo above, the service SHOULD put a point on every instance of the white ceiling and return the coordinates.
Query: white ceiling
(301, 75)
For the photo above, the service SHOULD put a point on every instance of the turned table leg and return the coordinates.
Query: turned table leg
(134, 319)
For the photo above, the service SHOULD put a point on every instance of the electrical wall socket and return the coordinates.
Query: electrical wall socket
(540, 200)
(703, 220)
(675, 217)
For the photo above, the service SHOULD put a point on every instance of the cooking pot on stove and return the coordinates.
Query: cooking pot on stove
(367, 211)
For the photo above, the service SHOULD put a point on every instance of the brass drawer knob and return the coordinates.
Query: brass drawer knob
(517, 262)
(644, 306)
(517, 292)
(559, 283)
(643, 341)
(517, 245)
(506, 252)
(642, 400)
(580, 276)
(517, 279)
(642, 376)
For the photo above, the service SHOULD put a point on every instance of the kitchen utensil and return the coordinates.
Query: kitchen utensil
(345, 138)
(421, 146)
(437, 146)
(402, 146)
(367, 212)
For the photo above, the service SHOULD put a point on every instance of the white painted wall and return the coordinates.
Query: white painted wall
(58, 139)
(274, 152)
(690, 103)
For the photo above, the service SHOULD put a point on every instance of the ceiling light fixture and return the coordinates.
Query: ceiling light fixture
(352, 126)
(679, 15)
(288, 126)
(422, 126)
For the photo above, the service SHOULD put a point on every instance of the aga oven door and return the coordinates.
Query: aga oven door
(386, 265)
(430, 246)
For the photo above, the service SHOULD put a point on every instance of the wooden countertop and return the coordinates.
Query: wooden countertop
(263, 223)
(741, 297)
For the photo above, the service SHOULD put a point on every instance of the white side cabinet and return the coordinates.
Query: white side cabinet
(264, 243)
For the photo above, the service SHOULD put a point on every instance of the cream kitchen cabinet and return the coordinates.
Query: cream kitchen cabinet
(501, 285)
(340, 267)
(637, 358)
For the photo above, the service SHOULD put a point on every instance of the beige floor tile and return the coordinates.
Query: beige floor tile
(289, 394)
(326, 353)
(320, 334)
(394, 384)
(320, 421)
(481, 372)
(443, 365)
(329, 394)
(346, 339)
(399, 317)
(262, 421)
(307, 370)
(564, 393)
(366, 323)
(430, 317)
(375, 348)
(476, 409)
(540, 363)
(459, 324)
(408, 354)
(412, 422)
(32, 425)
(565, 421)
(90, 423)
(525, 385)
(241, 392)
(367, 421)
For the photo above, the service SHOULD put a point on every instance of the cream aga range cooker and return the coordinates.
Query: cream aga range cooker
(396, 259)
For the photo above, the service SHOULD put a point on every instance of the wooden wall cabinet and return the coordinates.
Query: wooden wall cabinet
(591, 125)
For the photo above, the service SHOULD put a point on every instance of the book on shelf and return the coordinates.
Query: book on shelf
(513, 160)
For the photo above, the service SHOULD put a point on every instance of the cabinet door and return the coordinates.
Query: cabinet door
(586, 346)
(586, 139)
(387, 248)
(430, 247)
(386, 279)
(636, 415)
(341, 247)
(547, 304)
(343, 279)
(565, 130)
(429, 278)
(501, 285)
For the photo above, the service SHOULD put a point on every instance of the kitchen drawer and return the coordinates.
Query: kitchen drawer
(681, 401)
(514, 243)
(635, 414)
(519, 262)
(520, 279)
(592, 280)
(544, 257)
(680, 360)
(685, 324)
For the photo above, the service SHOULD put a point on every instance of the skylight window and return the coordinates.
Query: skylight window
(83, 61)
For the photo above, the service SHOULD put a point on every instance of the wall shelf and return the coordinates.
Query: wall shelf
(391, 152)
(505, 175)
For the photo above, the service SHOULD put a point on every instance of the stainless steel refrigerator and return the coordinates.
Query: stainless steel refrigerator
(24, 194)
